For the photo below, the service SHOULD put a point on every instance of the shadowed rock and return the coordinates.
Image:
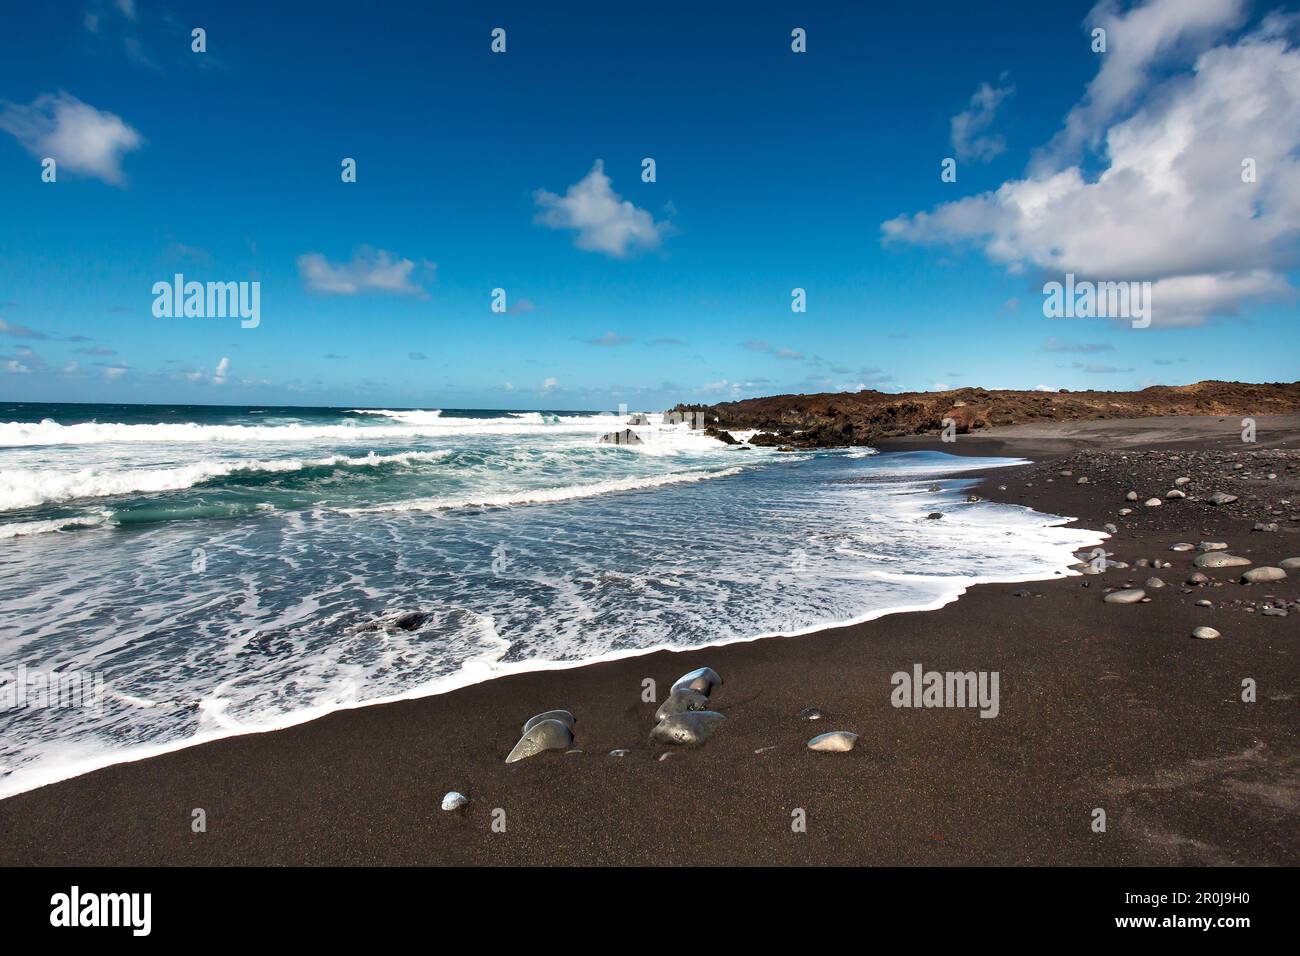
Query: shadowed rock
(547, 735)
(682, 701)
(625, 437)
(835, 742)
(687, 730)
(563, 716)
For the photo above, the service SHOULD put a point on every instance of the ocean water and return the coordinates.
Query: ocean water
(227, 570)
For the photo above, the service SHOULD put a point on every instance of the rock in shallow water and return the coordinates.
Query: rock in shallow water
(549, 734)
(1127, 596)
(835, 742)
(563, 716)
(1262, 575)
(681, 701)
(687, 730)
(701, 680)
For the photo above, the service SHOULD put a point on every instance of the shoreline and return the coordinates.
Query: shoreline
(451, 683)
(361, 784)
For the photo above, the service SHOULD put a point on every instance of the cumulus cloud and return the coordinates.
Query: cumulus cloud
(1170, 206)
(604, 221)
(971, 138)
(80, 138)
(219, 375)
(369, 271)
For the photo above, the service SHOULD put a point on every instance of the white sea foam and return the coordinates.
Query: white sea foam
(30, 487)
(544, 495)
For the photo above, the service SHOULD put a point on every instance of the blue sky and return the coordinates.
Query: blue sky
(522, 171)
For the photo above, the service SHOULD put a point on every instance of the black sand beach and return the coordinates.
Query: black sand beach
(1102, 705)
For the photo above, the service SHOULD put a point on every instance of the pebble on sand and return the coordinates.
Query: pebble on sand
(454, 800)
(1131, 496)
(1155, 583)
(1220, 559)
(1213, 546)
(701, 680)
(1219, 498)
(1153, 502)
(1262, 575)
(1127, 596)
(1182, 546)
(1289, 564)
(1184, 480)
(1197, 579)
(563, 716)
(1174, 493)
(812, 713)
(689, 730)
(549, 734)
(1203, 633)
(835, 742)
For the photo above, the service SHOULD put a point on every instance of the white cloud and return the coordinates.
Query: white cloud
(970, 136)
(604, 221)
(219, 375)
(1138, 41)
(369, 271)
(549, 384)
(1171, 207)
(127, 7)
(79, 137)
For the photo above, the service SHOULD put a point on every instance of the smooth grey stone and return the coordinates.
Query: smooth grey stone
(563, 716)
(1274, 612)
(1204, 603)
(1289, 564)
(1109, 528)
(1127, 596)
(1182, 546)
(1197, 579)
(454, 800)
(701, 680)
(1220, 559)
(1262, 575)
(1153, 502)
(1213, 546)
(835, 742)
(1265, 526)
(1182, 481)
(1123, 512)
(547, 735)
(1155, 583)
(1082, 481)
(1131, 496)
(682, 701)
(687, 730)
(1205, 633)
(1219, 498)
(1174, 494)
